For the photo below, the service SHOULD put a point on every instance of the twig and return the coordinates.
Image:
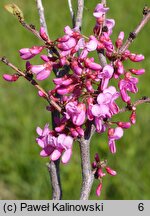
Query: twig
(41, 15)
(79, 16)
(30, 28)
(133, 34)
(32, 81)
(136, 103)
(71, 12)
(87, 175)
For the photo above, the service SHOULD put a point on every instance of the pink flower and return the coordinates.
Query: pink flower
(42, 71)
(89, 46)
(106, 106)
(114, 134)
(54, 147)
(110, 23)
(128, 84)
(76, 111)
(105, 76)
(70, 42)
(100, 10)
(28, 53)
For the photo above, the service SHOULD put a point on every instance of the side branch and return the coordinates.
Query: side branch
(135, 104)
(79, 17)
(133, 34)
(33, 82)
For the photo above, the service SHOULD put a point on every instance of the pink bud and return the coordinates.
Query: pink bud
(43, 34)
(76, 67)
(120, 40)
(120, 68)
(110, 171)
(64, 38)
(99, 189)
(80, 131)
(60, 128)
(97, 158)
(133, 117)
(124, 125)
(58, 81)
(74, 133)
(100, 173)
(94, 165)
(136, 57)
(65, 90)
(89, 86)
(28, 66)
(10, 78)
(137, 72)
(92, 65)
(41, 94)
(111, 132)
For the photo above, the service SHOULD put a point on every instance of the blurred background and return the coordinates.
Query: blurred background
(23, 173)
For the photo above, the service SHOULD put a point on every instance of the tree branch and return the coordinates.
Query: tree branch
(133, 34)
(41, 15)
(87, 175)
(53, 169)
(71, 12)
(29, 78)
(79, 16)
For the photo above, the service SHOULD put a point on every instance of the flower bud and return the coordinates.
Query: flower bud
(43, 34)
(137, 72)
(133, 117)
(136, 57)
(119, 40)
(60, 128)
(97, 158)
(100, 173)
(99, 189)
(65, 90)
(92, 65)
(124, 125)
(94, 165)
(41, 94)
(10, 78)
(110, 171)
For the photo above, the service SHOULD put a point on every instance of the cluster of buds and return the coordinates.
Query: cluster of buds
(99, 167)
(86, 94)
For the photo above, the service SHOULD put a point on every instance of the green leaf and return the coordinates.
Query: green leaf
(15, 10)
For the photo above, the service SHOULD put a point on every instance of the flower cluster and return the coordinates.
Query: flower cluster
(99, 167)
(85, 87)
